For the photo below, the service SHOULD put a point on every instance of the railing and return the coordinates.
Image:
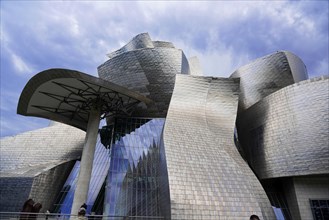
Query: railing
(54, 216)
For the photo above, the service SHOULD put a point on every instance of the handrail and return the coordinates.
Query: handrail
(58, 216)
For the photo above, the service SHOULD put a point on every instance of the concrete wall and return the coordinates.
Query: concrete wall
(307, 188)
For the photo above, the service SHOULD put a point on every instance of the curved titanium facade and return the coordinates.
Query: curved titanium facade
(148, 68)
(138, 42)
(266, 75)
(286, 133)
(207, 176)
(35, 164)
(184, 164)
(195, 66)
(28, 148)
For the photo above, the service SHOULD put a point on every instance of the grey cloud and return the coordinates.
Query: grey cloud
(225, 35)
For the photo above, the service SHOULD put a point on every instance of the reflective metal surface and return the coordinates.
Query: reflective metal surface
(31, 162)
(192, 170)
(148, 68)
(266, 75)
(207, 178)
(286, 133)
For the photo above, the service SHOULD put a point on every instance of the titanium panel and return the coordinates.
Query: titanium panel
(149, 71)
(14, 187)
(31, 162)
(163, 44)
(30, 152)
(297, 66)
(207, 177)
(48, 184)
(142, 40)
(286, 133)
(195, 66)
(266, 75)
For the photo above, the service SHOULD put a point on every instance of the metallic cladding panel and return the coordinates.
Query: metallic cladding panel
(195, 66)
(14, 191)
(163, 44)
(207, 177)
(35, 164)
(47, 185)
(298, 68)
(142, 40)
(266, 75)
(29, 153)
(286, 133)
(149, 71)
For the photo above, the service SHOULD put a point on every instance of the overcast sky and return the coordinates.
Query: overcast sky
(38, 35)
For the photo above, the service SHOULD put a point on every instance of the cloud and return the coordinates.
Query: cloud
(322, 67)
(8, 100)
(20, 65)
(69, 32)
(244, 29)
(224, 35)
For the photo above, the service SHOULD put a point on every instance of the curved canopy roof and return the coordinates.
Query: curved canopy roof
(67, 96)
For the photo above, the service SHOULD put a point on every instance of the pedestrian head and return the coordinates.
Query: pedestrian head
(254, 217)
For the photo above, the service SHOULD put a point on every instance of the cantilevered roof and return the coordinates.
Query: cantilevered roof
(67, 96)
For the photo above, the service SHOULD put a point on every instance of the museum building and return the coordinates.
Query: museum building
(151, 137)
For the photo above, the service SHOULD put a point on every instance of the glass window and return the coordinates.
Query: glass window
(136, 168)
(279, 205)
(320, 209)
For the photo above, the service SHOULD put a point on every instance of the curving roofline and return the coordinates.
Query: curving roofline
(287, 54)
(47, 76)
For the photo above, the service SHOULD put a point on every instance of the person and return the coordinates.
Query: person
(84, 205)
(254, 217)
(27, 207)
(47, 213)
(82, 212)
(35, 209)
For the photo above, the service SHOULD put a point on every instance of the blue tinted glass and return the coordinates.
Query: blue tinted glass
(131, 177)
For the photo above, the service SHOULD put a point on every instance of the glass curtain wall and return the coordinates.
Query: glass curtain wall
(128, 169)
(132, 183)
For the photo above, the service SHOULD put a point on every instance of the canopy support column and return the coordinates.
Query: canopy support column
(86, 164)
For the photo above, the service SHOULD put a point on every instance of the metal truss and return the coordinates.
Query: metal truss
(75, 102)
